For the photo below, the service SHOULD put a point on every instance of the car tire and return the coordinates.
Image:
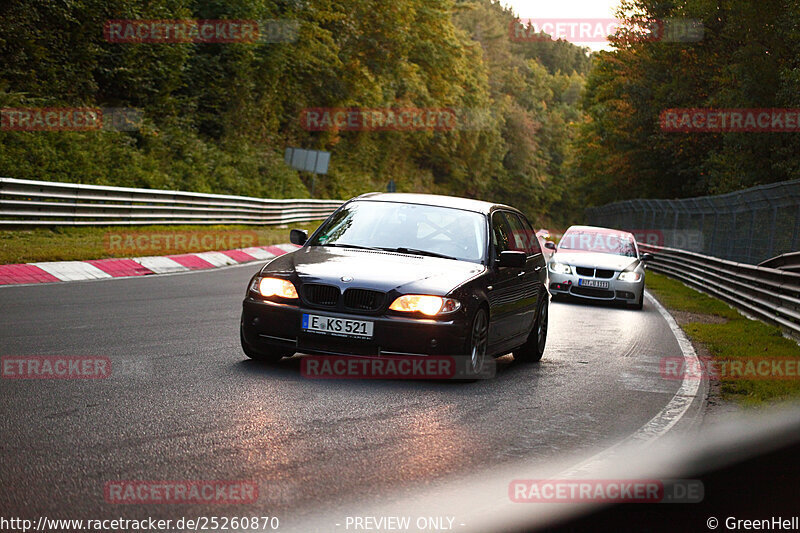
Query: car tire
(640, 305)
(477, 344)
(533, 349)
(259, 355)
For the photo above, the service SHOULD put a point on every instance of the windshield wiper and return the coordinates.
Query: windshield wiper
(414, 251)
(356, 246)
(400, 250)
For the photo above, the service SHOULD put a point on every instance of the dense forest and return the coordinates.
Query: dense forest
(553, 128)
(217, 116)
(748, 57)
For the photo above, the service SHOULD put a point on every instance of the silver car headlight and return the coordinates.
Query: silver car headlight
(629, 276)
(560, 268)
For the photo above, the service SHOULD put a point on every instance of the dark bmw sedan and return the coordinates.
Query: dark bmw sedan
(404, 275)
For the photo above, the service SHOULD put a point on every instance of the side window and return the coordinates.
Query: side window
(501, 233)
(524, 239)
(534, 246)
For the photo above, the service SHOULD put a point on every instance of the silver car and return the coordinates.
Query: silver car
(598, 264)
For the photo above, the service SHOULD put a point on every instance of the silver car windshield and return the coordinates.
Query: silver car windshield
(598, 242)
(410, 228)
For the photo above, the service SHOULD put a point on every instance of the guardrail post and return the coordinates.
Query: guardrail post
(76, 195)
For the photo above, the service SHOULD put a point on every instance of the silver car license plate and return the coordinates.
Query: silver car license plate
(593, 283)
(342, 327)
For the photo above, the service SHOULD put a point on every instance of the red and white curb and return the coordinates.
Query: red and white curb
(137, 266)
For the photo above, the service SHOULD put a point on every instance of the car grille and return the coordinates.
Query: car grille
(326, 295)
(363, 300)
(592, 273)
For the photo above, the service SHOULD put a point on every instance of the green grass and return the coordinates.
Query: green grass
(736, 337)
(80, 243)
(675, 295)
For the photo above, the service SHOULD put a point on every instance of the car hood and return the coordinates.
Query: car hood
(382, 271)
(594, 260)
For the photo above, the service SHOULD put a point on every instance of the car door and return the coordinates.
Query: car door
(504, 294)
(531, 278)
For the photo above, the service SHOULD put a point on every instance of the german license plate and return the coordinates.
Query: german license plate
(341, 327)
(593, 283)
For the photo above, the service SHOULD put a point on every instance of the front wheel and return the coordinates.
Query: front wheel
(478, 342)
(640, 305)
(533, 349)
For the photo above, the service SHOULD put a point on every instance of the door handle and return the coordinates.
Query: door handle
(537, 269)
(521, 274)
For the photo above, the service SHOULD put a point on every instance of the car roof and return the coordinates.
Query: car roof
(466, 204)
(596, 229)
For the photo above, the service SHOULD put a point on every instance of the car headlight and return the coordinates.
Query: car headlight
(629, 276)
(268, 287)
(427, 305)
(560, 268)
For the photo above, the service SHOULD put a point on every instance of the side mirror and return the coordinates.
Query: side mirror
(645, 257)
(298, 236)
(512, 259)
(550, 245)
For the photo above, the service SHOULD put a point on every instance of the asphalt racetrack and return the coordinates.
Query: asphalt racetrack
(184, 403)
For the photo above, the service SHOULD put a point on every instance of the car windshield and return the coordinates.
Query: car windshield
(409, 228)
(599, 242)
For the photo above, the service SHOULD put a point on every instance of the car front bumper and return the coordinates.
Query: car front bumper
(623, 291)
(273, 326)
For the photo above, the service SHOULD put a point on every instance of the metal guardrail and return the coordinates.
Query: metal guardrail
(769, 294)
(790, 262)
(49, 203)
